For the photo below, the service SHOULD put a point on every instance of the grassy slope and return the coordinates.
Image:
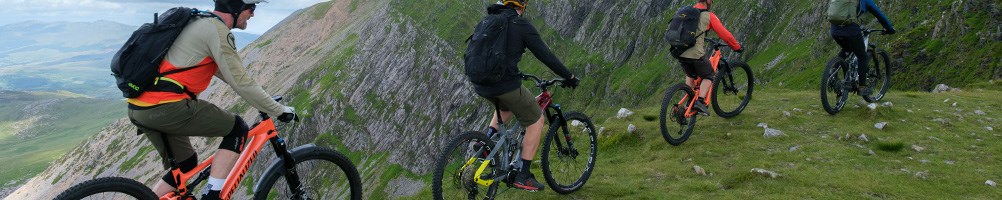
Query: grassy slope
(72, 123)
(839, 163)
(823, 165)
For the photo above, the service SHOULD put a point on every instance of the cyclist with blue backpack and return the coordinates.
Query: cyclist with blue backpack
(491, 64)
(844, 16)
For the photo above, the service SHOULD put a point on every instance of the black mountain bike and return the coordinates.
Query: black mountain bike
(841, 75)
(474, 166)
(731, 91)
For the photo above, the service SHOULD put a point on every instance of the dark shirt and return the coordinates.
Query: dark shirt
(854, 28)
(521, 35)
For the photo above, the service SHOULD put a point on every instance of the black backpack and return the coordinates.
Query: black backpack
(485, 57)
(137, 64)
(683, 30)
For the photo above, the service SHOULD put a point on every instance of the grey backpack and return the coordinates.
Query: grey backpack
(843, 12)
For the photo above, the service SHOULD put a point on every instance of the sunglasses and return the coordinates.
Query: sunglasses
(250, 7)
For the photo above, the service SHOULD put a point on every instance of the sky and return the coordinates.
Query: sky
(135, 12)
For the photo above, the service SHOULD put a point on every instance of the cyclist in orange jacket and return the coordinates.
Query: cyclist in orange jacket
(694, 62)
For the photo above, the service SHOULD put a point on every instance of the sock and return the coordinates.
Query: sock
(211, 195)
(525, 166)
(214, 184)
(491, 131)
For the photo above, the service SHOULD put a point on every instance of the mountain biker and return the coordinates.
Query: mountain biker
(850, 38)
(511, 96)
(207, 46)
(695, 63)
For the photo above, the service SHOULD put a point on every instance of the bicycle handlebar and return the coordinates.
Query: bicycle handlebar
(716, 44)
(540, 82)
(868, 31)
(277, 98)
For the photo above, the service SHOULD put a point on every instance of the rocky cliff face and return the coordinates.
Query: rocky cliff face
(382, 82)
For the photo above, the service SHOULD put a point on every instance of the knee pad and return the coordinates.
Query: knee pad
(185, 165)
(237, 137)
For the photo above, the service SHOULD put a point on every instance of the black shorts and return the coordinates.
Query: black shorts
(696, 68)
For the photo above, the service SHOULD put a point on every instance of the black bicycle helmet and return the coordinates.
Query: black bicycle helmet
(234, 7)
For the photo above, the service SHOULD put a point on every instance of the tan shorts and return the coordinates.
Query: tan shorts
(179, 120)
(521, 103)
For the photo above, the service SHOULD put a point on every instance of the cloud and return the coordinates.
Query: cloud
(134, 12)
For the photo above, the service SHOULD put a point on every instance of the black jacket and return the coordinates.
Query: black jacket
(521, 35)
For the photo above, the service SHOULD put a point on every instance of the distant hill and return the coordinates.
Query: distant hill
(66, 56)
(243, 38)
(36, 128)
(60, 56)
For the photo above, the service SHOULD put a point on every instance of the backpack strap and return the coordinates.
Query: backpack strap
(701, 11)
(172, 86)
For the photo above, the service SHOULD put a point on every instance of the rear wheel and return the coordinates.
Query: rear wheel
(675, 126)
(879, 76)
(569, 151)
(108, 188)
(455, 168)
(833, 86)
(323, 174)
(732, 89)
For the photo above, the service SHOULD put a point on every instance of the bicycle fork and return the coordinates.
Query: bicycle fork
(291, 175)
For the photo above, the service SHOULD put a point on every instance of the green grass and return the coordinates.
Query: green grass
(64, 125)
(136, 158)
(824, 165)
(319, 10)
(263, 44)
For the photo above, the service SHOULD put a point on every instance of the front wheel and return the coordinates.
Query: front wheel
(732, 89)
(323, 174)
(569, 151)
(879, 76)
(108, 188)
(455, 168)
(675, 125)
(833, 86)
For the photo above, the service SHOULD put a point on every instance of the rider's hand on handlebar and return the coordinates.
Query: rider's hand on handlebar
(288, 115)
(740, 50)
(890, 32)
(572, 82)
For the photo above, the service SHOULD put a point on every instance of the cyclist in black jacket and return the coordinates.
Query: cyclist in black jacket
(514, 98)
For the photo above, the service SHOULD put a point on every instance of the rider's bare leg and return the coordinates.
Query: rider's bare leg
(505, 115)
(531, 141)
(704, 87)
(222, 164)
(162, 188)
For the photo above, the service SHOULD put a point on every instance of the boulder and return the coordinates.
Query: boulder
(766, 173)
(623, 113)
(631, 128)
(880, 125)
(944, 88)
(699, 170)
(769, 132)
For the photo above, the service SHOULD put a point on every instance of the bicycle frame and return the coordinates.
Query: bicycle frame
(850, 60)
(262, 132)
(545, 102)
(715, 60)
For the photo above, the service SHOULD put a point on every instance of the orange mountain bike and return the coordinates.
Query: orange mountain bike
(307, 172)
(730, 93)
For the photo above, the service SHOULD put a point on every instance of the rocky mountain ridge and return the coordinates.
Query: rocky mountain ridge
(382, 82)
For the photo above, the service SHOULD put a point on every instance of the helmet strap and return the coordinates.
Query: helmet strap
(235, 16)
